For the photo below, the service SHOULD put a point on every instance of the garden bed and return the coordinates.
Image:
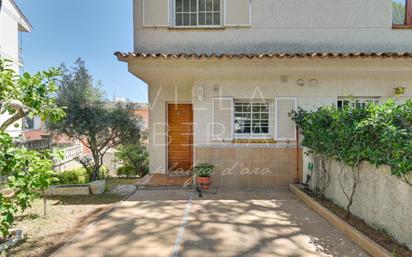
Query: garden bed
(60, 190)
(67, 216)
(113, 182)
(377, 236)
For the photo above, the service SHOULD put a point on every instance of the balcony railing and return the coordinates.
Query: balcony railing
(39, 144)
(69, 154)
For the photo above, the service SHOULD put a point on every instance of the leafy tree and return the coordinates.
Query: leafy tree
(91, 119)
(26, 171)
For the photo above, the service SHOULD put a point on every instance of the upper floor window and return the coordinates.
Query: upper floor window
(195, 13)
(357, 102)
(28, 123)
(402, 12)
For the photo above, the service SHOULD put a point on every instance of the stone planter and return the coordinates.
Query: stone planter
(97, 187)
(62, 190)
(15, 237)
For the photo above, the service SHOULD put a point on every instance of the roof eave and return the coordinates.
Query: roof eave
(125, 57)
(24, 24)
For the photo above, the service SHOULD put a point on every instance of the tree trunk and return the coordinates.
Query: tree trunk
(10, 121)
(44, 204)
(356, 181)
(96, 166)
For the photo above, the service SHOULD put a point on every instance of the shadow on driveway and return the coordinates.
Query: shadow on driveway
(232, 223)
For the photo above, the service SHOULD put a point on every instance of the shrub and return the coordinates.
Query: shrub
(126, 171)
(135, 158)
(76, 176)
(204, 170)
(379, 134)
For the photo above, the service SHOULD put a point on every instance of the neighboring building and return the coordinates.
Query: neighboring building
(223, 76)
(141, 110)
(12, 23)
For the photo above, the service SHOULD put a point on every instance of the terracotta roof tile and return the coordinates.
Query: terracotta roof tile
(126, 56)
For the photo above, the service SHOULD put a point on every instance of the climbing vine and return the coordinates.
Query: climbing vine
(379, 134)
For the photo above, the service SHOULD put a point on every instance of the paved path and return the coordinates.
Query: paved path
(228, 224)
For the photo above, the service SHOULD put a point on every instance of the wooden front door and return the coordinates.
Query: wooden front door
(180, 137)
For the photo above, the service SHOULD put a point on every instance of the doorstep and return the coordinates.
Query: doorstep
(163, 181)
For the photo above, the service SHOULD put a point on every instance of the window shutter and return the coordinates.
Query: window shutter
(285, 127)
(409, 13)
(238, 12)
(156, 13)
(222, 127)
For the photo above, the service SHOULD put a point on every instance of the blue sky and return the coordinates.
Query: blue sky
(64, 30)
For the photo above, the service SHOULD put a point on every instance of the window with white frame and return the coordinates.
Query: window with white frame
(197, 13)
(252, 118)
(357, 102)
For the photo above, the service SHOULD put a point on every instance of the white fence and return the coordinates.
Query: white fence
(70, 158)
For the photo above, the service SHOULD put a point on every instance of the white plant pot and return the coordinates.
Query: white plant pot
(97, 187)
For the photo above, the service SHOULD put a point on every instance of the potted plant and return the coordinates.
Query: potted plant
(203, 172)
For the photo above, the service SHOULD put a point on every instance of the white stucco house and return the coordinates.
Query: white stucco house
(223, 76)
(12, 23)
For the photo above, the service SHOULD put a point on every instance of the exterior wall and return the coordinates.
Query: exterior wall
(111, 162)
(245, 79)
(381, 200)
(286, 26)
(11, 22)
(252, 166)
(9, 37)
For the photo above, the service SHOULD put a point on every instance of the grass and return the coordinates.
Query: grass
(66, 217)
(112, 183)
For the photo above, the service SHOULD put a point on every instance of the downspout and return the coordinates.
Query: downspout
(297, 155)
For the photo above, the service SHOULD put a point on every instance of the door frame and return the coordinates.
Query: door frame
(167, 131)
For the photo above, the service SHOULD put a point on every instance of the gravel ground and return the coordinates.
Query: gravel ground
(66, 217)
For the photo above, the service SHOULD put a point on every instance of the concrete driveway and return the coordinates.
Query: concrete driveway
(179, 223)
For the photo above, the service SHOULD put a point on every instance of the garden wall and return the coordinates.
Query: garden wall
(381, 200)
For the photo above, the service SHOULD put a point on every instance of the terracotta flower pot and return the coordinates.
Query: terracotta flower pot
(204, 182)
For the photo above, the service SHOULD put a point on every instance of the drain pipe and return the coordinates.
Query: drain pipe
(297, 155)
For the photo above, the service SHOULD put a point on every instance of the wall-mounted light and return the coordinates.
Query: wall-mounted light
(200, 93)
(313, 82)
(300, 82)
(399, 91)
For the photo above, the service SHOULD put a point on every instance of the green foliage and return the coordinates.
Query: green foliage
(398, 13)
(27, 171)
(28, 95)
(135, 158)
(91, 118)
(379, 134)
(75, 176)
(204, 170)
